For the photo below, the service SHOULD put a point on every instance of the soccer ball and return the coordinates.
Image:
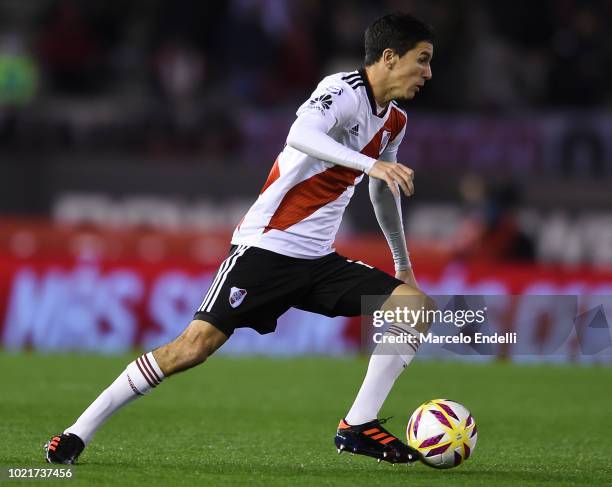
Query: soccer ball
(444, 433)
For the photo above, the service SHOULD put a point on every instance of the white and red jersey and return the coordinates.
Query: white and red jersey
(300, 207)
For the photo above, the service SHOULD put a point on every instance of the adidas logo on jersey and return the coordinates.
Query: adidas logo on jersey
(236, 296)
(354, 130)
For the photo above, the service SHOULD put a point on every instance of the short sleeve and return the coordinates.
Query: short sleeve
(333, 101)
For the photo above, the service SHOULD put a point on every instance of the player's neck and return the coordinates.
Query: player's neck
(376, 78)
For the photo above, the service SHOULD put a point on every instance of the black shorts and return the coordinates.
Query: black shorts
(253, 287)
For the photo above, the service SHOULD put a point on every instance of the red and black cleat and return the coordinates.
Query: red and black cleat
(373, 440)
(64, 449)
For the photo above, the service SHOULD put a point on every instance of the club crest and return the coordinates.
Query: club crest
(384, 140)
(236, 296)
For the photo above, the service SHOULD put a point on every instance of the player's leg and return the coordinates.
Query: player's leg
(388, 360)
(252, 287)
(339, 283)
(361, 429)
(195, 344)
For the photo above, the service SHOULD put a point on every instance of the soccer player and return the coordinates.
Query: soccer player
(282, 252)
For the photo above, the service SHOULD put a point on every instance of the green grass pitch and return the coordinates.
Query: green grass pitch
(257, 421)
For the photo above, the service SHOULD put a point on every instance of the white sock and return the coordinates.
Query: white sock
(140, 376)
(386, 364)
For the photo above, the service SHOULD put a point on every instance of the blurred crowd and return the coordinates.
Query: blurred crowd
(176, 74)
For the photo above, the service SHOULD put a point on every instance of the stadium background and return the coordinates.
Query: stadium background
(133, 135)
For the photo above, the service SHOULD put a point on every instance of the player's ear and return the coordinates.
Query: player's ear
(389, 58)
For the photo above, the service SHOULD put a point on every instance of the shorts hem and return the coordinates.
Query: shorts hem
(214, 321)
(387, 291)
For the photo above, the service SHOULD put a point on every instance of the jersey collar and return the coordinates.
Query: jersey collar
(370, 94)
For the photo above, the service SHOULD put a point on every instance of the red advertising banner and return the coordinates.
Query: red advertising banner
(67, 304)
(51, 305)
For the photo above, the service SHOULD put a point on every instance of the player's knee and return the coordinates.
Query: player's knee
(419, 296)
(413, 298)
(198, 342)
(407, 290)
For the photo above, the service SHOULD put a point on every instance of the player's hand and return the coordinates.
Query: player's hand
(407, 276)
(394, 174)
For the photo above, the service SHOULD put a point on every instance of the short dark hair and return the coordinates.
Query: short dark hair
(398, 31)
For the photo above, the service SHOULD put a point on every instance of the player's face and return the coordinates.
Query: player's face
(411, 71)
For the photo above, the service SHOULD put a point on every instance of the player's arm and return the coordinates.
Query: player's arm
(388, 210)
(331, 106)
(309, 134)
